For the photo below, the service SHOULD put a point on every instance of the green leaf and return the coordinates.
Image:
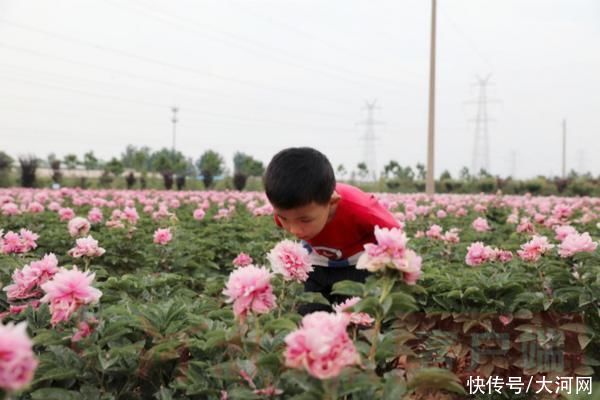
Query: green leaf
(575, 327)
(269, 362)
(241, 394)
(584, 370)
(436, 378)
(281, 324)
(55, 394)
(523, 314)
(58, 374)
(370, 306)
(394, 387)
(349, 288)
(583, 340)
(402, 302)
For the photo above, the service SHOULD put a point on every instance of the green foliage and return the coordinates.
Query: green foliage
(210, 164)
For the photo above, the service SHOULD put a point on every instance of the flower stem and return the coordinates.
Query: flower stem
(331, 388)
(374, 340)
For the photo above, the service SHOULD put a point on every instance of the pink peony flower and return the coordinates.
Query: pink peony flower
(68, 291)
(27, 281)
(480, 225)
(503, 255)
(512, 219)
(525, 226)
(356, 318)
(532, 250)
(441, 214)
(478, 253)
(249, 288)
(35, 207)
(95, 215)
(10, 209)
(291, 260)
(162, 236)
(576, 243)
(434, 232)
(242, 260)
(321, 345)
(451, 236)
(84, 329)
(13, 243)
(199, 214)
(562, 211)
(78, 227)
(66, 214)
(17, 360)
(86, 247)
(131, 215)
(391, 252)
(563, 231)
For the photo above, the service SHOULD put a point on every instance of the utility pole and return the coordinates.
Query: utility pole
(174, 121)
(564, 148)
(430, 182)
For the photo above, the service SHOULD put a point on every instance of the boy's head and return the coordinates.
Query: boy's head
(300, 184)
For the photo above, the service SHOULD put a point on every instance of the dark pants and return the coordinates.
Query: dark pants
(321, 280)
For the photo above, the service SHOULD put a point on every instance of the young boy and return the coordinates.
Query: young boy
(333, 220)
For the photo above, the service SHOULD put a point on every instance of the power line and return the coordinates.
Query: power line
(104, 83)
(165, 18)
(196, 110)
(150, 60)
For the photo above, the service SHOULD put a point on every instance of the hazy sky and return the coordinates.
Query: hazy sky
(257, 76)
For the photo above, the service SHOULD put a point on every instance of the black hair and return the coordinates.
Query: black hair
(297, 176)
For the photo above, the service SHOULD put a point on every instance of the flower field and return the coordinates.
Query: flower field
(194, 295)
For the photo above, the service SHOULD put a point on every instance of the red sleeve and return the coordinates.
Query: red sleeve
(277, 221)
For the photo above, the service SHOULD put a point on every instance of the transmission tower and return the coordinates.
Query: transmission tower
(481, 146)
(370, 138)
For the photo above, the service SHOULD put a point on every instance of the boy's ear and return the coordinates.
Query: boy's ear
(335, 198)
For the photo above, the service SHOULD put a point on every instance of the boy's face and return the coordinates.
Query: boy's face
(307, 221)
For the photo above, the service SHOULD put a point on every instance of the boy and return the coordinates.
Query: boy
(333, 220)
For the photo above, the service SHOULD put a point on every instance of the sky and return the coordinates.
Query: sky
(258, 76)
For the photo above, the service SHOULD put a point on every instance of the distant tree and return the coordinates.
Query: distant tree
(105, 179)
(421, 172)
(71, 161)
(210, 164)
(183, 169)
(139, 159)
(56, 174)
(446, 175)
(6, 162)
(114, 166)
(90, 161)
(29, 164)
(143, 180)
(243, 167)
(162, 162)
(395, 170)
(464, 174)
(483, 173)
(341, 171)
(363, 171)
(130, 180)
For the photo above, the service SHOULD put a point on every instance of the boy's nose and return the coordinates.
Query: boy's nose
(296, 231)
